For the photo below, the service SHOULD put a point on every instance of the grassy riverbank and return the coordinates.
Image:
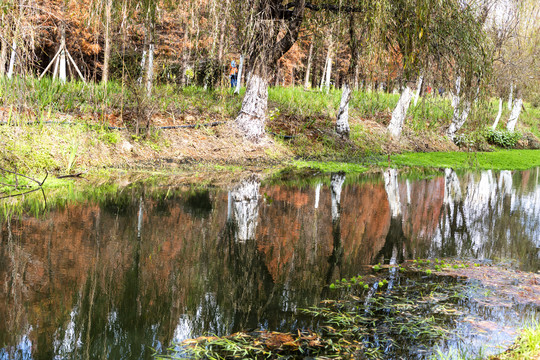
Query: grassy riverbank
(498, 160)
(73, 128)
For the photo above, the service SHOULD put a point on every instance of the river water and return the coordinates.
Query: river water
(141, 268)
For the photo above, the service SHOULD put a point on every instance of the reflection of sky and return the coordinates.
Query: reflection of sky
(22, 351)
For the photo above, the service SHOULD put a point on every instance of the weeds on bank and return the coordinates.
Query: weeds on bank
(526, 347)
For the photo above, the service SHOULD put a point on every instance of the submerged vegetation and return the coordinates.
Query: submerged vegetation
(413, 310)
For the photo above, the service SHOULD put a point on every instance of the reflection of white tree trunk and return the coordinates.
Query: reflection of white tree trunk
(452, 188)
(514, 115)
(505, 182)
(229, 206)
(140, 217)
(245, 199)
(400, 112)
(336, 186)
(392, 190)
(317, 194)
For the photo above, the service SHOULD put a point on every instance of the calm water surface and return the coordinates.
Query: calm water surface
(147, 267)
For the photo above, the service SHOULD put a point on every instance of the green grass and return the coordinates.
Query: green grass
(526, 347)
(329, 166)
(498, 160)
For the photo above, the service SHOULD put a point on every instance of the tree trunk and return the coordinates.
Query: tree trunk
(400, 113)
(323, 76)
(245, 202)
(458, 119)
(239, 78)
(107, 50)
(253, 113)
(356, 77)
(265, 49)
(12, 60)
(3, 51)
(510, 95)
(62, 67)
(342, 122)
(328, 71)
(461, 111)
(514, 115)
(498, 114)
(308, 67)
(418, 89)
(455, 97)
(150, 70)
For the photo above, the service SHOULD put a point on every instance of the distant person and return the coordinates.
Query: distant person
(233, 74)
(441, 91)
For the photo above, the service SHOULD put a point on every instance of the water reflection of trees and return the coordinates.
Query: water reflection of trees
(491, 216)
(101, 279)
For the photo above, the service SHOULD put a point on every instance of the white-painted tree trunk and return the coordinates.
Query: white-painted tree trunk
(239, 78)
(336, 185)
(150, 70)
(510, 96)
(12, 60)
(342, 122)
(245, 198)
(498, 114)
(461, 111)
(328, 72)
(455, 97)
(418, 89)
(458, 119)
(321, 84)
(514, 115)
(452, 187)
(308, 67)
(400, 113)
(252, 115)
(143, 63)
(3, 58)
(392, 191)
(356, 77)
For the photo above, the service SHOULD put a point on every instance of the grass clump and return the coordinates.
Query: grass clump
(526, 347)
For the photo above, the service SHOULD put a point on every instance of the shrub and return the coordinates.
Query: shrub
(502, 138)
